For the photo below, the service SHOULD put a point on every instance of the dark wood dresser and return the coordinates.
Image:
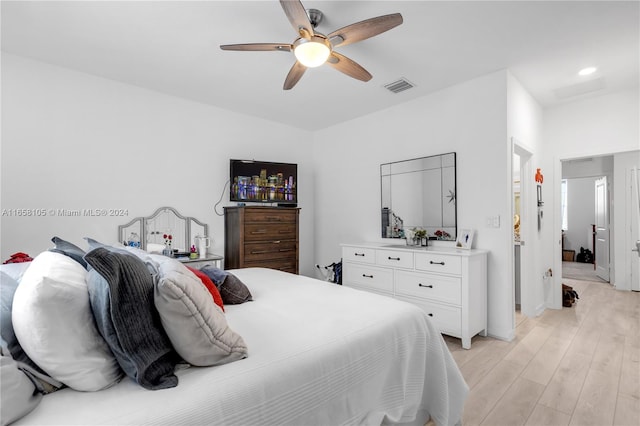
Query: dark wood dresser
(258, 236)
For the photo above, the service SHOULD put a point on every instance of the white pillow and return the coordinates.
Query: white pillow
(15, 270)
(196, 326)
(155, 248)
(54, 324)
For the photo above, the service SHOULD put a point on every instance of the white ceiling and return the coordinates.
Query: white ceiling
(173, 47)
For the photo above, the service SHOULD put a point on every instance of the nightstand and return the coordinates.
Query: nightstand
(209, 259)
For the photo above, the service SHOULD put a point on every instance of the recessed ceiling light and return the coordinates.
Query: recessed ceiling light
(587, 71)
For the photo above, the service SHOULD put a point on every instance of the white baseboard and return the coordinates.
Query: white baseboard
(506, 335)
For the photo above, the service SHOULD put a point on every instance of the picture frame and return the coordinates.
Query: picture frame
(465, 239)
(540, 202)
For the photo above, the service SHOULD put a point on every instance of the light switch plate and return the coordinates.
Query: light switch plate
(493, 222)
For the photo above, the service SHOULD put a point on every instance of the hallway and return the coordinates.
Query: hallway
(574, 366)
(580, 271)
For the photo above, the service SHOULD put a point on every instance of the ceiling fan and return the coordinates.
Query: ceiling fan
(313, 49)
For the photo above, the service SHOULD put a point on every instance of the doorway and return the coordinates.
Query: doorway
(586, 218)
(523, 219)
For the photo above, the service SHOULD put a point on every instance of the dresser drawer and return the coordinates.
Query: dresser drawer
(447, 319)
(370, 277)
(269, 250)
(439, 263)
(288, 264)
(269, 232)
(358, 254)
(270, 215)
(396, 259)
(429, 286)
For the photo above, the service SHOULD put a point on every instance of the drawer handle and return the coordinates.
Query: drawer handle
(430, 315)
(393, 258)
(274, 218)
(367, 276)
(276, 242)
(260, 251)
(359, 254)
(427, 286)
(259, 231)
(284, 231)
(284, 250)
(431, 262)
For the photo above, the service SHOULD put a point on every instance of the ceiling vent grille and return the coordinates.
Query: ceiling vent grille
(399, 85)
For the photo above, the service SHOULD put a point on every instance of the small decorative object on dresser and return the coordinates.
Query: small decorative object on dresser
(204, 243)
(168, 232)
(260, 236)
(167, 251)
(193, 252)
(449, 285)
(465, 239)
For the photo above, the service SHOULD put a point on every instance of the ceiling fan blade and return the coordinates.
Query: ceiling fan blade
(364, 29)
(295, 73)
(348, 67)
(298, 17)
(258, 47)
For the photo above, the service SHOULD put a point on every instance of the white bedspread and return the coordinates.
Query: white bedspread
(319, 354)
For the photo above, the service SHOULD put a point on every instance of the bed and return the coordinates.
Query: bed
(318, 354)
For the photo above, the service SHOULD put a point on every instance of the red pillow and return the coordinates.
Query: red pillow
(210, 286)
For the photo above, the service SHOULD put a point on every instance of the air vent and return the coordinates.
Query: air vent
(399, 85)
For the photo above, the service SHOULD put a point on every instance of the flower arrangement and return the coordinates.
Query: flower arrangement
(419, 233)
(442, 235)
(167, 245)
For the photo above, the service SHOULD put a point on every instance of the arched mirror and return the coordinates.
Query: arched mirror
(420, 194)
(150, 230)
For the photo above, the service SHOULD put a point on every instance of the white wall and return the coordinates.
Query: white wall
(75, 141)
(524, 128)
(469, 119)
(595, 126)
(588, 167)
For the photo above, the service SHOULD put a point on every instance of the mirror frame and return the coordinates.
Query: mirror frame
(429, 227)
(140, 226)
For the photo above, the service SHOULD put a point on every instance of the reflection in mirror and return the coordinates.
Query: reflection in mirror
(168, 224)
(419, 194)
(152, 232)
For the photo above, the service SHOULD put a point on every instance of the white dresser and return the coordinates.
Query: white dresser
(449, 284)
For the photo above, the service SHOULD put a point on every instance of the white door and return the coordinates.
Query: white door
(634, 215)
(531, 295)
(602, 228)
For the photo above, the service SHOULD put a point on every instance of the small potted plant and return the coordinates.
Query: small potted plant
(419, 235)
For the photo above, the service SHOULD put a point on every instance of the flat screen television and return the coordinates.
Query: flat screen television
(263, 182)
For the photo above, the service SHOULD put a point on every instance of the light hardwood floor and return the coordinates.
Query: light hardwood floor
(575, 366)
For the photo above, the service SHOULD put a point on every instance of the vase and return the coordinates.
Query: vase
(167, 251)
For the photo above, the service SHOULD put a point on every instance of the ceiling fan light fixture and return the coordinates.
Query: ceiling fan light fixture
(312, 52)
